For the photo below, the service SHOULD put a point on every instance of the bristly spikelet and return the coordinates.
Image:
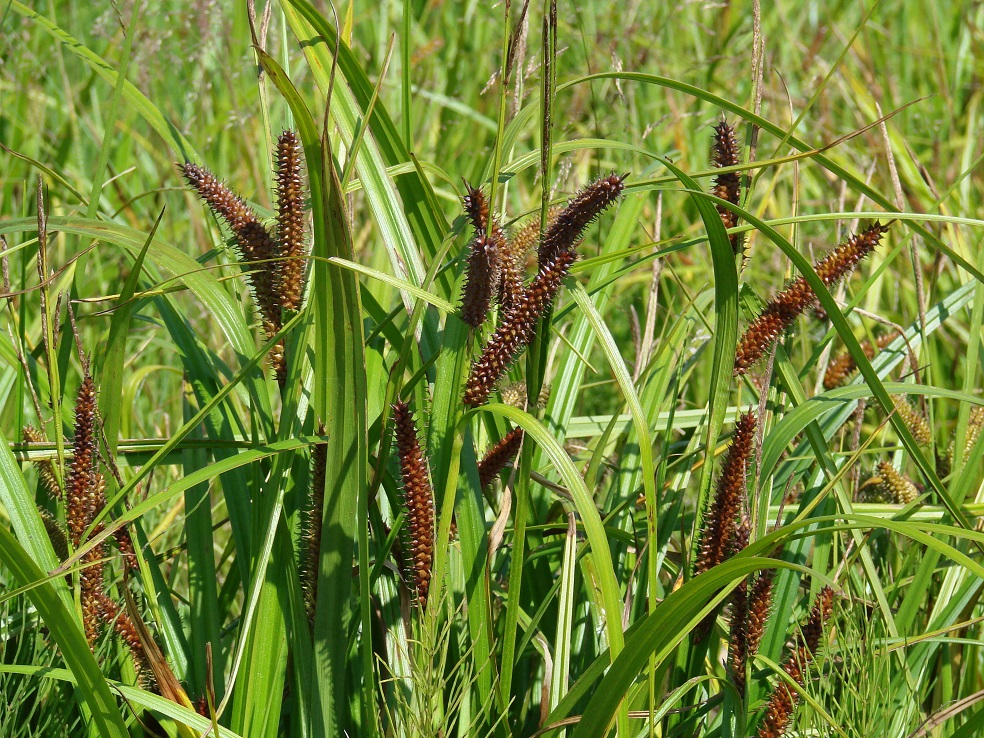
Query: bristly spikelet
(311, 523)
(499, 456)
(481, 280)
(783, 700)
(726, 152)
(894, 484)
(82, 495)
(290, 220)
(56, 534)
(737, 647)
(841, 368)
(516, 330)
(915, 421)
(419, 499)
(44, 467)
(564, 233)
(255, 244)
(783, 309)
(721, 518)
(476, 208)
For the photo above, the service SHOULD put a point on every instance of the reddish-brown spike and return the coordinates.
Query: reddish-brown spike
(311, 528)
(783, 310)
(726, 152)
(255, 244)
(290, 220)
(783, 700)
(499, 456)
(82, 497)
(516, 330)
(419, 499)
(477, 208)
(481, 281)
(56, 534)
(44, 467)
(125, 544)
(759, 607)
(565, 232)
(737, 646)
(722, 516)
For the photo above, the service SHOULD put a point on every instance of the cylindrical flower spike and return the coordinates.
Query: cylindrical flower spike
(311, 528)
(783, 310)
(499, 456)
(419, 499)
(584, 207)
(290, 220)
(44, 467)
(841, 368)
(481, 280)
(726, 152)
(914, 420)
(783, 700)
(516, 330)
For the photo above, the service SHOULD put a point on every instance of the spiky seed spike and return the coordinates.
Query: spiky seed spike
(125, 544)
(290, 220)
(516, 330)
(477, 208)
(737, 646)
(841, 368)
(481, 281)
(255, 244)
(56, 534)
(82, 496)
(726, 152)
(759, 607)
(44, 467)
(783, 700)
(783, 309)
(914, 420)
(418, 497)
(499, 456)
(584, 207)
(311, 523)
(894, 485)
(721, 518)
(113, 615)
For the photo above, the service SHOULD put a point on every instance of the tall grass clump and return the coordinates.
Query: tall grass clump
(420, 370)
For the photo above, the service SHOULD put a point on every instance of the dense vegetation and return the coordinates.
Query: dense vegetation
(452, 369)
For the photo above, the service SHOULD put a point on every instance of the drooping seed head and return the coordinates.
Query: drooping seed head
(894, 486)
(783, 309)
(44, 467)
(565, 232)
(516, 330)
(499, 456)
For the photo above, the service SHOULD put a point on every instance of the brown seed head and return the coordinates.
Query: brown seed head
(499, 456)
(481, 280)
(721, 519)
(82, 493)
(726, 152)
(419, 499)
(564, 233)
(290, 220)
(44, 467)
(516, 330)
(783, 310)
(311, 523)
(841, 368)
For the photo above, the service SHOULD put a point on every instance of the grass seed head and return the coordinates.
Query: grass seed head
(418, 498)
(516, 330)
(915, 421)
(581, 210)
(782, 310)
(499, 456)
(726, 152)
(44, 467)
(894, 486)
(481, 281)
(290, 220)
